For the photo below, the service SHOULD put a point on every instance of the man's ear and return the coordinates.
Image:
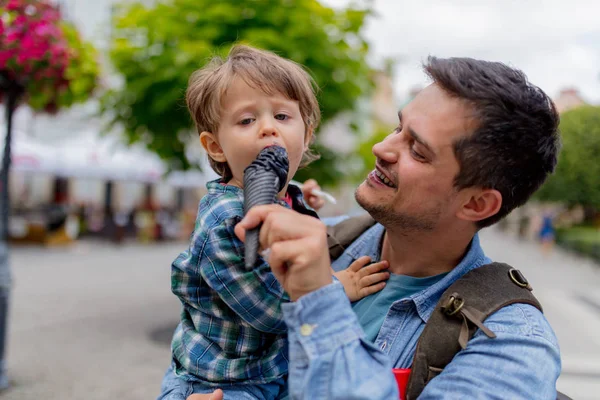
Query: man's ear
(308, 137)
(212, 147)
(480, 204)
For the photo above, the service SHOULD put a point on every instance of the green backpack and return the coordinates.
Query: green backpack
(460, 312)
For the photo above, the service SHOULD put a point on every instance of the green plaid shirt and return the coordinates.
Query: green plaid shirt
(232, 327)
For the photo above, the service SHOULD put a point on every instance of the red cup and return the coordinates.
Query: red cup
(401, 375)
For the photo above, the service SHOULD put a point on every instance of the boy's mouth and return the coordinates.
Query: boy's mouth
(272, 145)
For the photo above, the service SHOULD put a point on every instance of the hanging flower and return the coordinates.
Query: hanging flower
(43, 53)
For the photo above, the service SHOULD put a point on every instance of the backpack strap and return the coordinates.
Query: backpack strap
(342, 234)
(462, 309)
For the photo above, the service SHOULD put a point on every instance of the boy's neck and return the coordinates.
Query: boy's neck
(235, 182)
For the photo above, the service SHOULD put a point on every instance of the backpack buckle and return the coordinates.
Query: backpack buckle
(519, 279)
(453, 305)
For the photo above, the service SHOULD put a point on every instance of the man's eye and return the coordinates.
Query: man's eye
(281, 117)
(246, 121)
(416, 155)
(398, 129)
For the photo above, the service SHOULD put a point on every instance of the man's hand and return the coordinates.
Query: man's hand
(299, 256)
(360, 280)
(216, 395)
(314, 201)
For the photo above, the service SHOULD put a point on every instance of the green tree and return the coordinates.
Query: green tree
(575, 181)
(364, 151)
(157, 48)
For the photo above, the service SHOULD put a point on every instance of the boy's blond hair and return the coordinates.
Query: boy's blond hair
(260, 69)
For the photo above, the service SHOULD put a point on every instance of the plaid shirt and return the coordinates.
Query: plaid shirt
(232, 327)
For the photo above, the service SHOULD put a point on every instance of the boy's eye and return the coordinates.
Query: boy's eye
(246, 121)
(281, 117)
(398, 129)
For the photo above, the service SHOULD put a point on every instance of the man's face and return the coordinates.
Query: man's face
(411, 187)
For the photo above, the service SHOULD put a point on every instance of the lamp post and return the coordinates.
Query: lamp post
(12, 91)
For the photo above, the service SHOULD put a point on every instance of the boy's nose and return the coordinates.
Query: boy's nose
(267, 129)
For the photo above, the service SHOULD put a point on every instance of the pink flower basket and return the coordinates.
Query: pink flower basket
(33, 49)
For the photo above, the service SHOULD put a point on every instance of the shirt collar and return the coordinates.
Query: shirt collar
(369, 244)
(218, 186)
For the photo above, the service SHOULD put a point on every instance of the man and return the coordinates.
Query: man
(470, 148)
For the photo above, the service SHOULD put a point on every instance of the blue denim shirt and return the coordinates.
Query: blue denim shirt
(330, 358)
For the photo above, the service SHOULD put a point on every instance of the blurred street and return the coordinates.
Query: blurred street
(568, 286)
(84, 320)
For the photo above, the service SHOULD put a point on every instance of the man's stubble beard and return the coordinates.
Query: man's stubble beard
(398, 221)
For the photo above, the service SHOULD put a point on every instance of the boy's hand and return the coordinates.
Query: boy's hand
(216, 395)
(314, 201)
(360, 280)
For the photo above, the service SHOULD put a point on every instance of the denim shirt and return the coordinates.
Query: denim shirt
(330, 358)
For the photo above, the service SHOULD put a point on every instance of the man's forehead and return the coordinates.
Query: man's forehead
(437, 115)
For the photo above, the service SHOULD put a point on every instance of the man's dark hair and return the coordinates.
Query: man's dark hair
(516, 140)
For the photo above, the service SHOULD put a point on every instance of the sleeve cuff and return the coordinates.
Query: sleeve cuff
(323, 320)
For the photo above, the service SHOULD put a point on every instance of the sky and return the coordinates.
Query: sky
(555, 42)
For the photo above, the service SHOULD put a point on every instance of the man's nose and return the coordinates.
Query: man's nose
(267, 128)
(385, 151)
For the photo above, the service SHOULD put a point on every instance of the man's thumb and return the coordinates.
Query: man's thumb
(217, 395)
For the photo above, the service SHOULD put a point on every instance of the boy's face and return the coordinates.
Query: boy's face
(252, 120)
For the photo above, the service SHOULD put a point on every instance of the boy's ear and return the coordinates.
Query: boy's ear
(308, 137)
(212, 147)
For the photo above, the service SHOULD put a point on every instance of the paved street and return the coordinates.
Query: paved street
(569, 289)
(84, 319)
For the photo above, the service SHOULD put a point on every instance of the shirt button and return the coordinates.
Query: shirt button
(307, 329)
(383, 345)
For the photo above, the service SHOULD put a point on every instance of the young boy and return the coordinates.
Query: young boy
(232, 334)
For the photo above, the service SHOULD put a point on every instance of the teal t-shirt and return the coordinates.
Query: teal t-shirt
(371, 310)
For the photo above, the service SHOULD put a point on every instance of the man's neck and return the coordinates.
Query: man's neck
(424, 253)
